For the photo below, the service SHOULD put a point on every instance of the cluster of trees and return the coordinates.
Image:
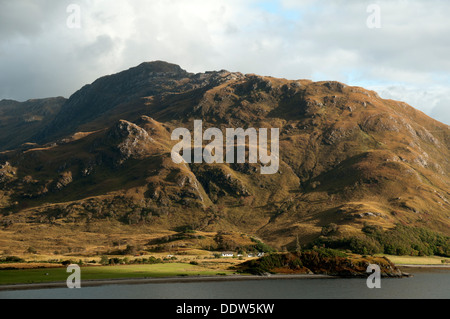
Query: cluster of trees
(126, 261)
(259, 246)
(178, 236)
(265, 264)
(401, 240)
(11, 259)
(315, 258)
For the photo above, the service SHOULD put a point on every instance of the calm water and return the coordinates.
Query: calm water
(424, 284)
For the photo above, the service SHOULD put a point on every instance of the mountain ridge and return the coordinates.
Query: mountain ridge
(348, 159)
(107, 92)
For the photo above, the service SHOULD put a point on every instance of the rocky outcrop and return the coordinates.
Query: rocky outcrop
(129, 140)
(218, 183)
(64, 180)
(324, 262)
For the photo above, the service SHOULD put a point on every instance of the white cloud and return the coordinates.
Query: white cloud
(406, 58)
(433, 100)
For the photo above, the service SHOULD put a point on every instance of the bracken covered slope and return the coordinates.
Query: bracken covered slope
(347, 157)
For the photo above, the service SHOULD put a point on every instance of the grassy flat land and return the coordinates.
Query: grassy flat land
(417, 260)
(54, 273)
(106, 272)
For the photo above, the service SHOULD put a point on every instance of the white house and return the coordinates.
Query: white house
(227, 254)
(260, 254)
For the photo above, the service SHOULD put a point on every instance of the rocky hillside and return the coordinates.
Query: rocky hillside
(19, 121)
(348, 158)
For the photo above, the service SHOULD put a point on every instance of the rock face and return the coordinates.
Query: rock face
(64, 180)
(347, 157)
(130, 140)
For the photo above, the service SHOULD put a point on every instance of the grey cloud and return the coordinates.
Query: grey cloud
(101, 46)
(40, 56)
(28, 18)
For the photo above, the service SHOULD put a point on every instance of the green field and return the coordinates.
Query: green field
(42, 275)
(105, 272)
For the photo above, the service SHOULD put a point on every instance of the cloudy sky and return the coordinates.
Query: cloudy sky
(403, 55)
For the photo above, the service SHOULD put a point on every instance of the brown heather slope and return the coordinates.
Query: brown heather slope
(347, 157)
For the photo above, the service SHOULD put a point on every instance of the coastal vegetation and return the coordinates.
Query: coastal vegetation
(400, 240)
(319, 261)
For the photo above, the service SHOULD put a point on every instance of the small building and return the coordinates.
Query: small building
(227, 254)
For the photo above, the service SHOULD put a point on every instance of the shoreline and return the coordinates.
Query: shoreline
(437, 266)
(190, 279)
(161, 280)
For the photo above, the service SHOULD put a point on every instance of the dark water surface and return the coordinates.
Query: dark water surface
(430, 283)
